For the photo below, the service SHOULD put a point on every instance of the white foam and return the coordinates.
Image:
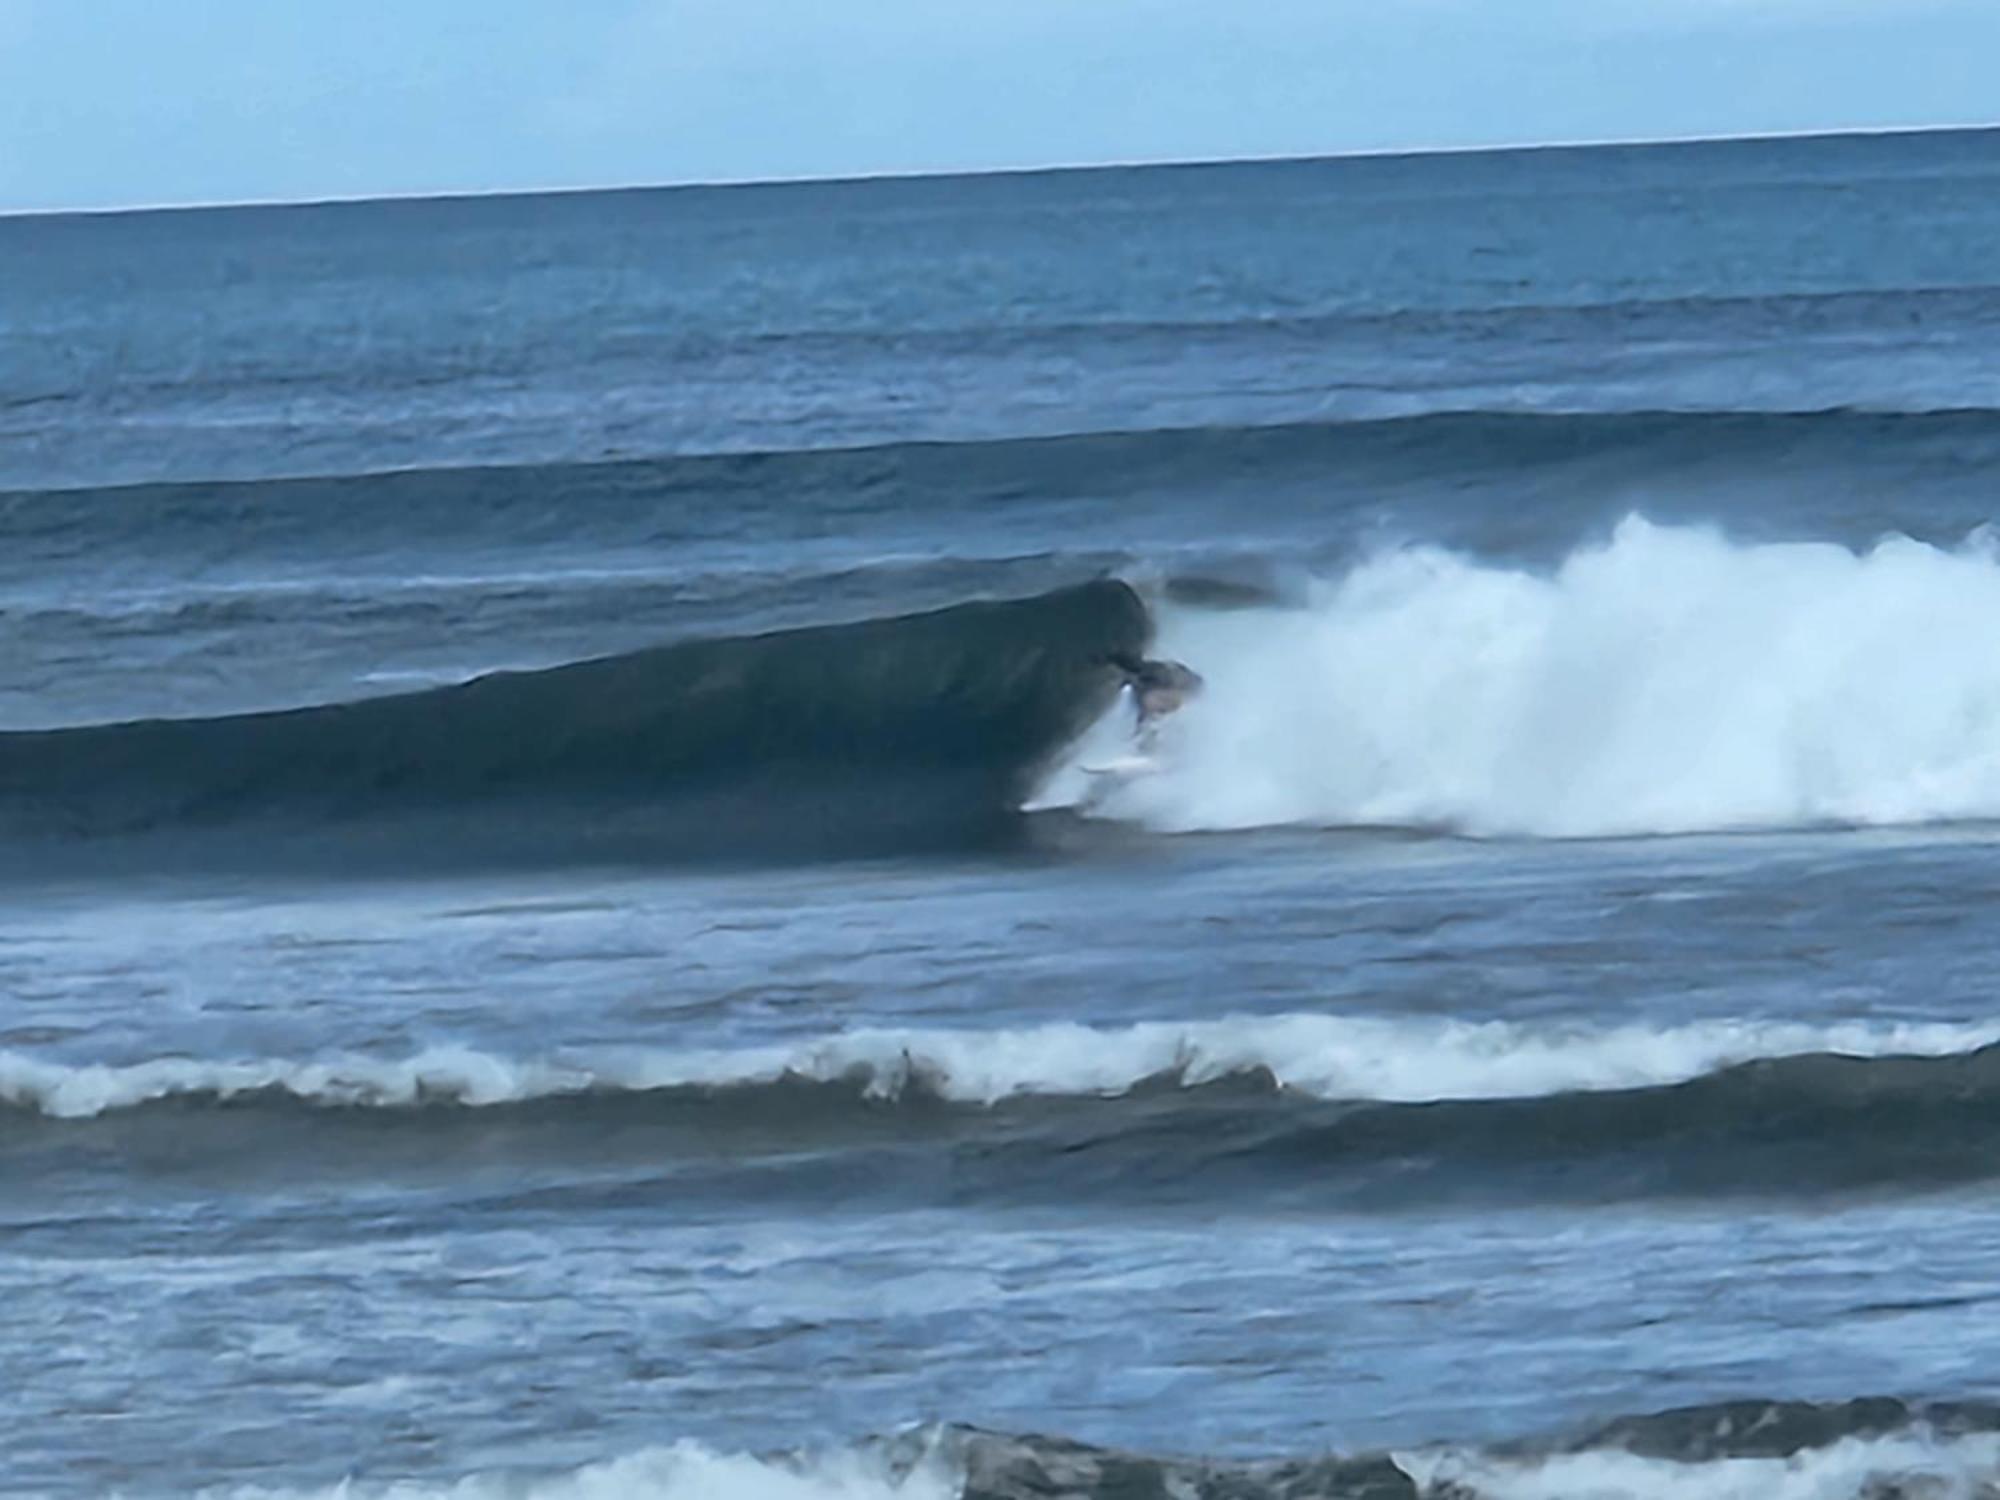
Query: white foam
(465, 1075)
(1333, 1057)
(1667, 681)
(1936, 1468)
(685, 1471)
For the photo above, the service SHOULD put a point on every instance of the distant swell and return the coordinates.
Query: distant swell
(1667, 680)
(1304, 1109)
(890, 732)
(1466, 436)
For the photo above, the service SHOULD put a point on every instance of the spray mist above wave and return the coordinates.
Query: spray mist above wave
(1668, 680)
(1325, 1057)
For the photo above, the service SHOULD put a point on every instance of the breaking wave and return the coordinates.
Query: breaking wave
(1333, 1058)
(1669, 680)
(682, 1471)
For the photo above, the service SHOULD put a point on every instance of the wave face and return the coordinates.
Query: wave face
(913, 729)
(1669, 680)
(1304, 1109)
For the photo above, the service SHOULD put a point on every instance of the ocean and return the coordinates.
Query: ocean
(560, 936)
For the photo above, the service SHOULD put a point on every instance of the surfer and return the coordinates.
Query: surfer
(1159, 688)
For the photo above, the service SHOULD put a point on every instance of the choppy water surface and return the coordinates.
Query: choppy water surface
(479, 1009)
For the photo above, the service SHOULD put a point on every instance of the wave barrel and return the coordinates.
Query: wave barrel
(910, 731)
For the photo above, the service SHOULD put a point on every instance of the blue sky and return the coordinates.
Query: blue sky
(115, 102)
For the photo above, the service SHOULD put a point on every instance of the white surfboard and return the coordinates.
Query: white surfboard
(1122, 767)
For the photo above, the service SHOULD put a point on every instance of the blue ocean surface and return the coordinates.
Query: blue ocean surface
(564, 933)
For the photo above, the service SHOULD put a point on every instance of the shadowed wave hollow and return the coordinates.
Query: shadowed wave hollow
(891, 733)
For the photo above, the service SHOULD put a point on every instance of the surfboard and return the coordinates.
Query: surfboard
(1122, 767)
(1086, 784)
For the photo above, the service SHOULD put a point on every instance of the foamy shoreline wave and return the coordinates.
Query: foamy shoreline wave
(1753, 1450)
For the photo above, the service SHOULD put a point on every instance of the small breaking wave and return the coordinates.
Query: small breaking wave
(1744, 1450)
(1909, 1464)
(1739, 1450)
(1308, 1113)
(682, 1471)
(1332, 1058)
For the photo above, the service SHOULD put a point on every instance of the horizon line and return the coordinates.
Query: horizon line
(919, 174)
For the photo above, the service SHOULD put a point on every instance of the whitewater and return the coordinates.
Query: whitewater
(943, 1465)
(1666, 680)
